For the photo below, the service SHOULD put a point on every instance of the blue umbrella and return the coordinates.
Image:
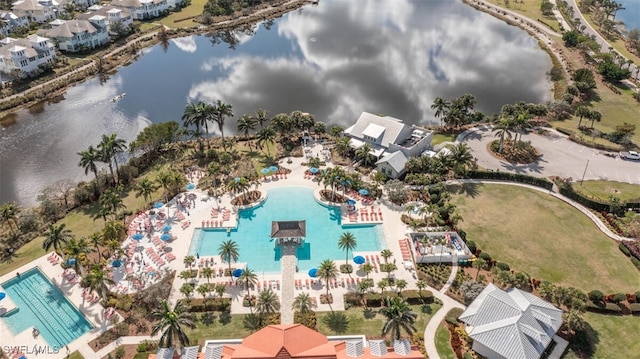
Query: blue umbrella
(191, 186)
(237, 272)
(158, 205)
(116, 263)
(237, 179)
(137, 236)
(313, 170)
(70, 261)
(363, 192)
(166, 228)
(351, 202)
(273, 168)
(358, 260)
(2, 295)
(264, 171)
(165, 237)
(313, 272)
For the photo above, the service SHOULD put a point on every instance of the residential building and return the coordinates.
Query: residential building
(511, 324)
(142, 9)
(26, 55)
(387, 136)
(33, 10)
(112, 17)
(77, 35)
(12, 21)
(297, 341)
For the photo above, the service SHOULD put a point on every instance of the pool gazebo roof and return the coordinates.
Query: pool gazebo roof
(288, 229)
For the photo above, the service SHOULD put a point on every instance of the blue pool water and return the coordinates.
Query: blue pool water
(287, 203)
(42, 305)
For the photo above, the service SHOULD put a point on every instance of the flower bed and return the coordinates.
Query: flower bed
(326, 195)
(246, 199)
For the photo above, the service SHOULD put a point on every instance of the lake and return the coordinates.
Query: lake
(333, 60)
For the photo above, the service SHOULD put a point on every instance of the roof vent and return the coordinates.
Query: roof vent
(402, 347)
(213, 351)
(165, 353)
(378, 347)
(354, 348)
(189, 352)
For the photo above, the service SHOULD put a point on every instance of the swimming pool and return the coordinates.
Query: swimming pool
(258, 250)
(43, 306)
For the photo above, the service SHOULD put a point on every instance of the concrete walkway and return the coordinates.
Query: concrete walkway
(288, 262)
(447, 304)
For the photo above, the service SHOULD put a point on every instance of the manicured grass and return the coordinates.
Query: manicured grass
(603, 190)
(611, 336)
(617, 43)
(438, 138)
(443, 343)
(543, 236)
(75, 355)
(24, 255)
(195, 8)
(217, 330)
(530, 9)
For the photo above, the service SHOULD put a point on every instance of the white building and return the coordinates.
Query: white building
(512, 324)
(26, 55)
(33, 10)
(142, 9)
(387, 136)
(438, 247)
(108, 16)
(12, 21)
(77, 35)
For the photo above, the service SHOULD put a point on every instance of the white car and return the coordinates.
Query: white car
(631, 155)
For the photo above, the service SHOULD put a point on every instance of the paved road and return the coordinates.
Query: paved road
(560, 157)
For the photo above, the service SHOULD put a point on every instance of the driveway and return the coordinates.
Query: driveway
(560, 157)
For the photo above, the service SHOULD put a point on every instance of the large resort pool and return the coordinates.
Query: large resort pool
(40, 304)
(258, 250)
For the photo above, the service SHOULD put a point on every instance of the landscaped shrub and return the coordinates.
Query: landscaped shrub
(452, 316)
(503, 266)
(635, 262)
(308, 319)
(485, 256)
(539, 182)
(596, 296)
(619, 297)
(212, 304)
(352, 299)
(472, 246)
(412, 296)
(610, 308)
(624, 250)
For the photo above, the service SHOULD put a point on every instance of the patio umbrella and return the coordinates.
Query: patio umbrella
(358, 260)
(351, 202)
(237, 179)
(363, 192)
(313, 272)
(273, 168)
(313, 170)
(191, 186)
(158, 205)
(2, 295)
(264, 171)
(137, 236)
(116, 263)
(237, 272)
(70, 261)
(165, 237)
(166, 228)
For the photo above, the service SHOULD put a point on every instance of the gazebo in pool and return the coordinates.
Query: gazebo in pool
(288, 231)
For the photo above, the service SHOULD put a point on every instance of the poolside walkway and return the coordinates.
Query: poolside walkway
(288, 262)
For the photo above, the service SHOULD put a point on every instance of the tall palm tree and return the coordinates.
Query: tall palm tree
(55, 237)
(364, 153)
(9, 215)
(165, 181)
(88, 161)
(581, 112)
(221, 112)
(145, 188)
(96, 239)
(207, 272)
(249, 278)
(461, 157)
(261, 116)
(399, 317)
(228, 252)
(386, 254)
(98, 281)
(109, 147)
(327, 271)
(266, 136)
(267, 303)
(342, 146)
(502, 129)
(171, 323)
(195, 114)
(77, 249)
(347, 242)
(303, 303)
(282, 124)
(595, 116)
(111, 202)
(247, 124)
(113, 231)
(479, 264)
(441, 106)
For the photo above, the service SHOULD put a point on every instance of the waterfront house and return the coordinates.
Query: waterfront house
(77, 35)
(12, 21)
(34, 11)
(511, 324)
(26, 56)
(114, 18)
(386, 136)
(143, 9)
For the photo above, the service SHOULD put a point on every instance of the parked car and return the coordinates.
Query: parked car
(631, 155)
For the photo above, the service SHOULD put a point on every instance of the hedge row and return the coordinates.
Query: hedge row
(212, 304)
(375, 300)
(596, 205)
(599, 146)
(515, 177)
(604, 308)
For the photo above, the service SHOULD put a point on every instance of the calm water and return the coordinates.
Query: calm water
(630, 15)
(288, 204)
(334, 60)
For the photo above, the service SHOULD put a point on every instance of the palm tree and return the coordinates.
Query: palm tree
(222, 110)
(111, 202)
(77, 249)
(266, 136)
(382, 284)
(267, 303)
(9, 214)
(420, 284)
(171, 323)
(594, 116)
(96, 240)
(327, 271)
(386, 254)
(228, 252)
(581, 112)
(461, 157)
(338, 322)
(247, 124)
(108, 147)
(502, 130)
(367, 268)
(197, 114)
(207, 272)
(113, 231)
(189, 260)
(261, 116)
(480, 264)
(282, 124)
(249, 279)
(98, 281)
(441, 106)
(342, 146)
(348, 243)
(145, 188)
(88, 159)
(399, 317)
(364, 153)
(302, 303)
(55, 237)
(165, 180)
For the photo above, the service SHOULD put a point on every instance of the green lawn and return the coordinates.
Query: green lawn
(75, 355)
(438, 138)
(617, 43)
(195, 8)
(530, 9)
(543, 236)
(24, 255)
(603, 190)
(443, 343)
(612, 336)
